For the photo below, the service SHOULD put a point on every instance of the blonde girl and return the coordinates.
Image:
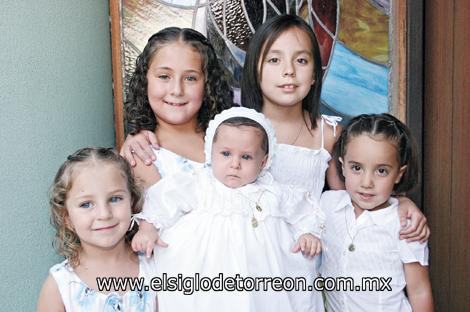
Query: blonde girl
(92, 201)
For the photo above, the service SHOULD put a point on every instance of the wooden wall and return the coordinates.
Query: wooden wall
(446, 147)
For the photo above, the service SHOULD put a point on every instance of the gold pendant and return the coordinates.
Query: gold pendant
(258, 207)
(351, 247)
(254, 222)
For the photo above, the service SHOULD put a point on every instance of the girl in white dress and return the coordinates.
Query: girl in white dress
(377, 157)
(232, 218)
(92, 200)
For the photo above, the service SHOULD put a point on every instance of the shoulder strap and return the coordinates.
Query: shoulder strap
(332, 121)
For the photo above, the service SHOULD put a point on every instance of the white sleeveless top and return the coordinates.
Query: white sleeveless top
(78, 296)
(304, 167)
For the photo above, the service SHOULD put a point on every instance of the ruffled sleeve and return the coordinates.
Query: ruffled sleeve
(169, 199)
(303, 212)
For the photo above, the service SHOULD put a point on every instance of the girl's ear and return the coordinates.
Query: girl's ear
(340, 159)
(265, 160)
(66, 219)
(400, 174)
(313, 81)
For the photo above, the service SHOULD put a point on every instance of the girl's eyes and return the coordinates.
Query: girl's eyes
(244, 157)
(163, 77)
(89, 204)
(382, 172)
(115, 199)
(355, 168)
(273, 60)
(167, 77)
(86, 205)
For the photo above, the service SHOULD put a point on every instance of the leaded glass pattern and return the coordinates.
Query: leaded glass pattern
(353, 37)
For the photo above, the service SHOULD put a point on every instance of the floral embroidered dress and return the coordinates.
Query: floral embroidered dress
(168, 162)
(77, 296)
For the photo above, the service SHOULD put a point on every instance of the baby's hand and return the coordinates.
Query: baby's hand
(146, 238)
(309, 244)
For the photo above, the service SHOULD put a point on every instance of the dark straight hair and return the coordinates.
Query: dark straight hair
(260, 43)
(387, 127)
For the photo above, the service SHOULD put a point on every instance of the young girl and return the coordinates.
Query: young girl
(232, 218)
(282, 78)
(377, 158)
(172, 94)
(92, 200)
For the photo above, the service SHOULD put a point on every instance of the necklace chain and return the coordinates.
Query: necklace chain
(351, 246)
(298, 134)
(254, 221)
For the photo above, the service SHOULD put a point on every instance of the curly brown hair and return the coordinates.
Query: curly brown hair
(66, 242)
(218, 95)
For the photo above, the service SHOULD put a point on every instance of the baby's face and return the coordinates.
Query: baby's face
(237, 156)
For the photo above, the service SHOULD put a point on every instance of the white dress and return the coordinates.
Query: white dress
(77, 296)
(378, 253)
(213, 229)
(304, 167)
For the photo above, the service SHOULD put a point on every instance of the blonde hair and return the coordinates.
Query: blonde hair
(66, 241)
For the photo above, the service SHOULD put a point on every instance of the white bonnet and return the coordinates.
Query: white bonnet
(239, 112)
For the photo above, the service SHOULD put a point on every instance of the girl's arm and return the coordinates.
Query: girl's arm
(332, 177)
(417, 230)
(418, 287)
(146, 175)
(49, 297)
(139, 145)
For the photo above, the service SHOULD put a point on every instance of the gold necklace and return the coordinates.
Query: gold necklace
(254, 222)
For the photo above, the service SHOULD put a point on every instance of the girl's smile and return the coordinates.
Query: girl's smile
(99, 205)
(176, 84)
(288, 87)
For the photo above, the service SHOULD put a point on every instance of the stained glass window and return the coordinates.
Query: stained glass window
(354, 38)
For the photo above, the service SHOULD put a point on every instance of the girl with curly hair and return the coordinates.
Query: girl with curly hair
(92, 201)
(177, 87)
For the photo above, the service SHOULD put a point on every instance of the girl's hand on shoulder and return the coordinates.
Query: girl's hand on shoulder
(417, 229)
(308, 244)
(140, 145)
(146, 239)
